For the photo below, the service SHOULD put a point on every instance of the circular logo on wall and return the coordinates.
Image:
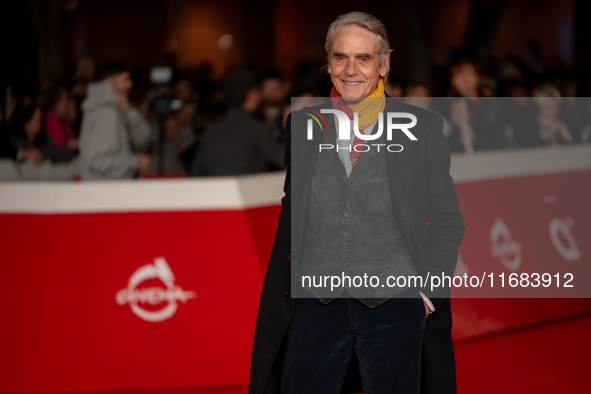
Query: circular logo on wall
(170, 294)
(562, 229)
(504, 247)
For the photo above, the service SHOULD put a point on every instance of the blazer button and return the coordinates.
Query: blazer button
(285, 295)
(289, 256)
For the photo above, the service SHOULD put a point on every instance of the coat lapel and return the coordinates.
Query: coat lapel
(303, 160)
(400, 173)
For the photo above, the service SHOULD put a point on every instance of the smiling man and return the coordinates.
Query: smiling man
(355, 63)
(352, 213)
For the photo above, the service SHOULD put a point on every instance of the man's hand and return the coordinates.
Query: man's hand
(33, 155)
(143, 162)
(72, 144)
(9, 109)
(427, 309)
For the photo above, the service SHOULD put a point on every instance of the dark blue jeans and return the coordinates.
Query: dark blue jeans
(321, 340)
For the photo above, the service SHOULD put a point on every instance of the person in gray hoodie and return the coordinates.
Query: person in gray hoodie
(112, 130)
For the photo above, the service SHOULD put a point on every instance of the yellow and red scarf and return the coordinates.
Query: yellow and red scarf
(368, 110)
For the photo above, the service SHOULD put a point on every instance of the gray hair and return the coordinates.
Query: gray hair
(365, 21)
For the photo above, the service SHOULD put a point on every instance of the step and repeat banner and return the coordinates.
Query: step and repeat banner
(156, 283)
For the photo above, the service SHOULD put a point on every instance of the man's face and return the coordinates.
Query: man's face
(122, 82)
(353, 65)
(272, 90)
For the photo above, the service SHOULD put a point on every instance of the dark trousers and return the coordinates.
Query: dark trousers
(321, 340)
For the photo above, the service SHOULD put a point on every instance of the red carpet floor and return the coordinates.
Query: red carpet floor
(544, 358)
(551, 358)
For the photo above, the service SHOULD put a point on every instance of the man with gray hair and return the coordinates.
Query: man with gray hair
(357, 211)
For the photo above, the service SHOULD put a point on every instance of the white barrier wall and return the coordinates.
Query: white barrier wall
(255, 190)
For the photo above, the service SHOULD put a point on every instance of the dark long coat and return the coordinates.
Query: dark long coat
(427, 212)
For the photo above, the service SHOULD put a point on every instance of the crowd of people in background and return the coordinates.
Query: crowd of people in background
(114, 123)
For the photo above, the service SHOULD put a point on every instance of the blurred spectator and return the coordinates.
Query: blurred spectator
(85, 68)
(112, 130)
(74, 115)
(83, 75)
(488, 87)
(295, 101)
(184, 92)
(419, 94)
(573, 109)
(393, 86)
(552, 130)
(479, 123)
(8, 108)
(465, 79)
(181, 132)
(522, 114)
(57, 106)
(533, 58)
(417, 90)
(238, 143)
(78, 90)
(274, 88)
(7, 151)
(31, 143)
(180, 141)
(9, 121)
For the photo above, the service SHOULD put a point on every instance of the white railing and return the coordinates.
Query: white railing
(253, 190)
